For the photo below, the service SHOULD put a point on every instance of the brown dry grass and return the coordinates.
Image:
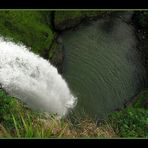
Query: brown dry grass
(3, 132)
(85, 129)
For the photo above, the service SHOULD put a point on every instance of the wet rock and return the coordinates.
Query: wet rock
(69, 19)
(56, 56)
(58, 62)
(66, 24)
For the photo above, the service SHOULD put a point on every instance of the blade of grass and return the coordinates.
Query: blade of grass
(16, 127)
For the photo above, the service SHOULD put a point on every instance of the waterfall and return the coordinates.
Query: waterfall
(33, 80)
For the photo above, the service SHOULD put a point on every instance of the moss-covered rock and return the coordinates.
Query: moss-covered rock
(68, 19)
(32, 28)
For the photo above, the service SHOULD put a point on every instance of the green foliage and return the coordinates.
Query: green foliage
(131, 122)
(142, 19)
(141, 100)
(24, 126)
(17, 119)
(30, 126)
(7, 105)
(16, 128)
(30, 27)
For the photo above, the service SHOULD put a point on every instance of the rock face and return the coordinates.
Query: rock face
(56, 56)
(58, 61)
(68, 19)
(140, 20)
(66, 24)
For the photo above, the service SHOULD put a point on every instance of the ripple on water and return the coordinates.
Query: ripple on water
(101, 66)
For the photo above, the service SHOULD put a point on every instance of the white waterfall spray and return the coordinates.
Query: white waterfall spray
(33, 79)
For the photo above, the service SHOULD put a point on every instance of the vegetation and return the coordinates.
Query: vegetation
(11, 106)
(142, 19)
(131, 122)
(18, 121)
(33, 28)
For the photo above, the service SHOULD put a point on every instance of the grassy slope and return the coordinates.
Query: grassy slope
(19, 121)
(30, 27)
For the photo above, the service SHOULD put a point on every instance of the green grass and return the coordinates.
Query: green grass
(12, 106)
(29, 27)
(31, 127)
(130, 122)
(26, 127)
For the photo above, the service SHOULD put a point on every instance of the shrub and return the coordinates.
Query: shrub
(141, 18)
(131, 122)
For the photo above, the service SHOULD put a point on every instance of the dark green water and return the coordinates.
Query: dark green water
(102, 65)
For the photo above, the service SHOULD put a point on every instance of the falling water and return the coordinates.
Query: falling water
(33, 80)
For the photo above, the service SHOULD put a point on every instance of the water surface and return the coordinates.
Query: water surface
(102, 65)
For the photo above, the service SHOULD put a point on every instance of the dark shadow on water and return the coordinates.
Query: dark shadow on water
(108, 25)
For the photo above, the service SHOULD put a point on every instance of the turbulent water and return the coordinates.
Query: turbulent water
(33, 80)
(102, 65)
